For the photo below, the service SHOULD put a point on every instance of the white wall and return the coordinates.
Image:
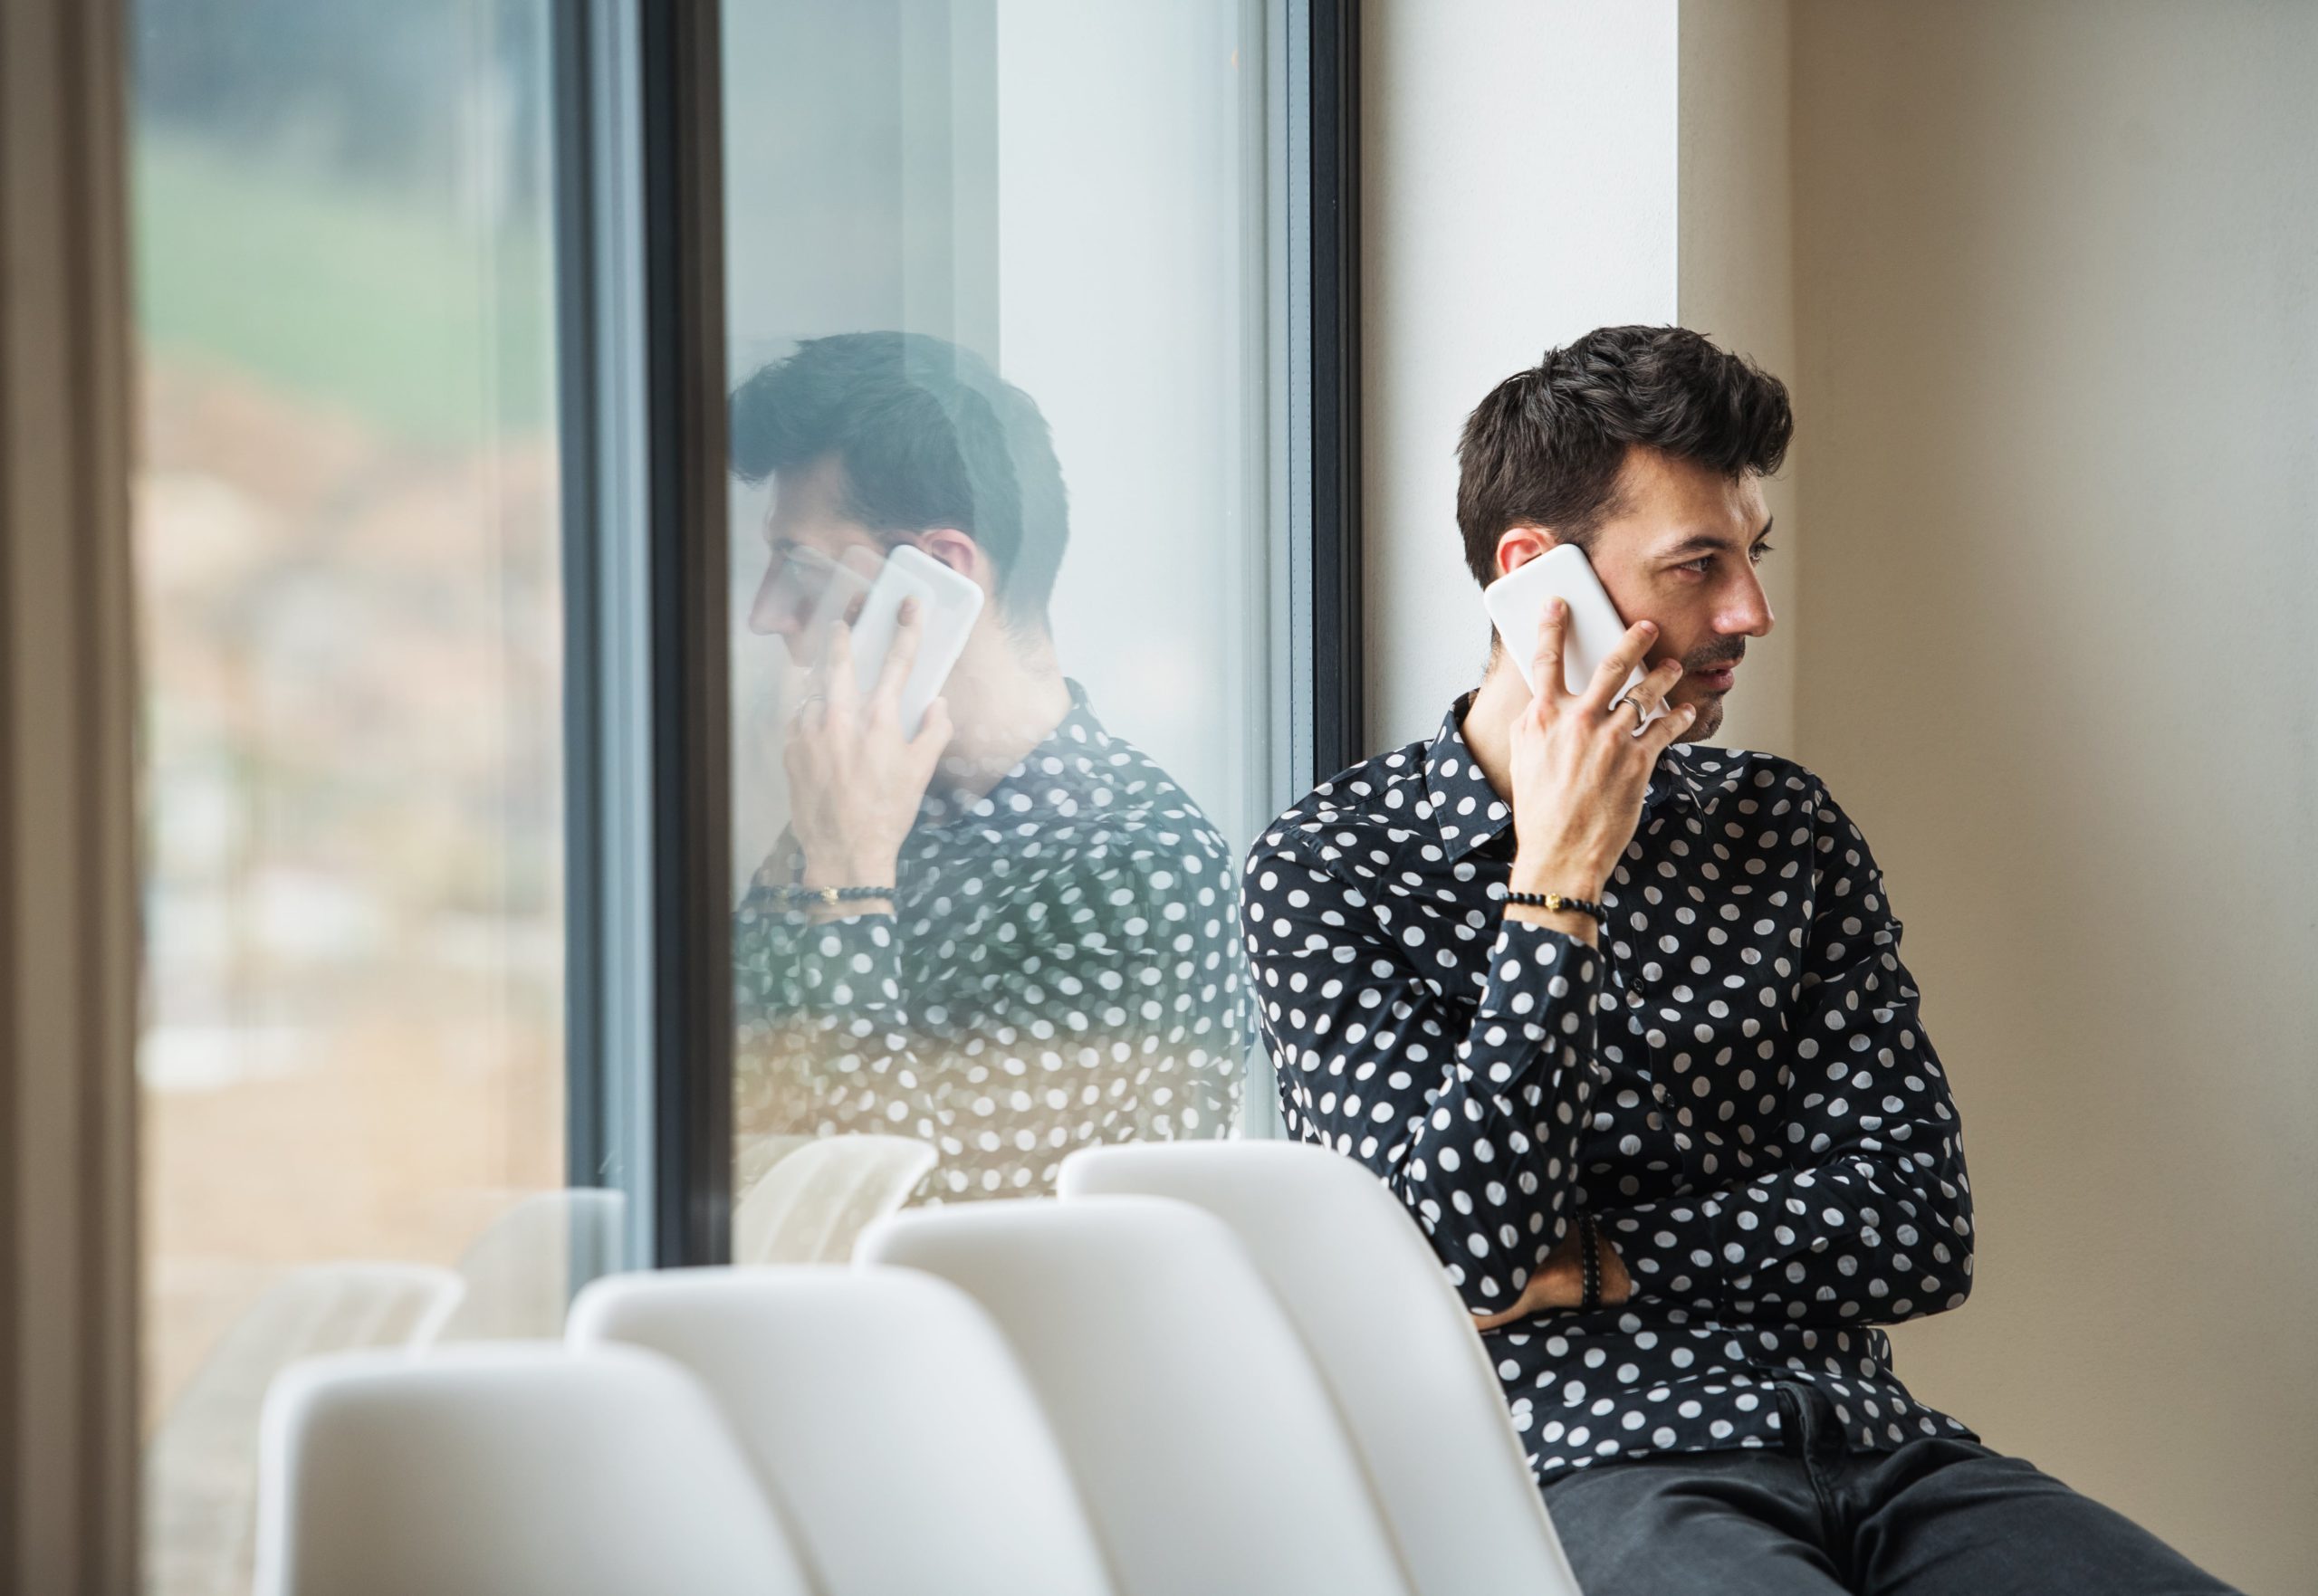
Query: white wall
(1735, 245)
(1518, 164)
(2060, 354)
(1130, 232)
(1074, 189)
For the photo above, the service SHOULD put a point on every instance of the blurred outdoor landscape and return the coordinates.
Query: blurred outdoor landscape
(350, 615)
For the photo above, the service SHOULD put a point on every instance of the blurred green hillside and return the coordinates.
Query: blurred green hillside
(430, 323)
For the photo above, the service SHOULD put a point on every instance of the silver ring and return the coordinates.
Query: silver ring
(1641, 710)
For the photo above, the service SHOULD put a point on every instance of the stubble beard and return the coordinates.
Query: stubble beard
(1708, 723)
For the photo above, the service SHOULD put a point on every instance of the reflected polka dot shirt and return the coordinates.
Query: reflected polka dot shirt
(1735, 1084)
(1060, 970)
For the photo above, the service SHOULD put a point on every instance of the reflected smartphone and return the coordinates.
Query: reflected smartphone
(1517, 606)
(948, 604)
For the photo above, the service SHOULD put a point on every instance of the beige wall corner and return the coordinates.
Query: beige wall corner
(1736, 284)
(1517, 170)
(67, 983)
(2059, 342)
(2039, 277)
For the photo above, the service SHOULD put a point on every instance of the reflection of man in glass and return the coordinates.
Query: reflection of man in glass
(1036, 948)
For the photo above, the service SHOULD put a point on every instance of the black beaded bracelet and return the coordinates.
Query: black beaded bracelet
(1591, 1261)
(1554, 903)
(798, 897)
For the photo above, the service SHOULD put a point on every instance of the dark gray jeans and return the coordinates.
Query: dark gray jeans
(1934, 1517)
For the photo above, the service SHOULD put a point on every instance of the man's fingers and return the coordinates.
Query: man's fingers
(1544, 665)
(1531, 1301)
(933, 735)
(838, 686)
(1652, 690)
(805, 689)
(1617, 662)
(887, 696)
(1536, 1296)
(806, 710)
(1667, 728)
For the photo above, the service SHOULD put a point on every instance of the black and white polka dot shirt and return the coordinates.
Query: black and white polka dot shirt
(1735, 1084)
(1059, 969)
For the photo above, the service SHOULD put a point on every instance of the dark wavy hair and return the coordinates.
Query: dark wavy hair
(1545, 448)
(926, 436)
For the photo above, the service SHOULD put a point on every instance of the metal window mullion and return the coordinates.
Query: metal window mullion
(639, 342)
(1312, 242)
(684, 263)
(1332, 94)
(1316, 164)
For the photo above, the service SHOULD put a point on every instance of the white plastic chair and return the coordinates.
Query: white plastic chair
(887, 1415)
(813, 1203)
(1390, 1337)
(200, 1467)
(1212, 1456)
(510, 1470)
(522, 1268)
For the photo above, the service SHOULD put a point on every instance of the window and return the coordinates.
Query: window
(999, 292)
(523, 385)
(347, 543)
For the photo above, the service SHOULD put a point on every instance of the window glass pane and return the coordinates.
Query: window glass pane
(348, 564)
(996, 282)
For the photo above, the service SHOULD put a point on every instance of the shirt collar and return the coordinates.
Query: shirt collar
(1467, 813)
(1064, 762)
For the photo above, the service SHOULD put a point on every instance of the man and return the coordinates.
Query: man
(1621, 1019)
(1033, 946)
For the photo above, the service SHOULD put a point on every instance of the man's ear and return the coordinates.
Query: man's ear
(1521, 544)
(961, 553)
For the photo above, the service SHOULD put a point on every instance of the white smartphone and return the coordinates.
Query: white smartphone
(948, 605)
(1517, 606)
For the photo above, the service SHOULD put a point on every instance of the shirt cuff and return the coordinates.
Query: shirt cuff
(1541, 977)
(786, 961)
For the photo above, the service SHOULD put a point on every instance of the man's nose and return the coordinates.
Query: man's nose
(1749, 610)
(773, 613)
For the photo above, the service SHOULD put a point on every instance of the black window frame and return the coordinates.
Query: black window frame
(1323, 101)
(641, 373)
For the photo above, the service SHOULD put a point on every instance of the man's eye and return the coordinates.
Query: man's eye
(1706, 559)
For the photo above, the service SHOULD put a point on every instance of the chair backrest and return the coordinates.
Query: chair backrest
(1390, 1337)
(812, 1203)
(508, 1469)
(1212, 1458)
(200, 1469)
(522, 1268)
(885, 1413)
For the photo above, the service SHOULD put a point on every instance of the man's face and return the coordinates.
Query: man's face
(1680, 548)
(811, 544)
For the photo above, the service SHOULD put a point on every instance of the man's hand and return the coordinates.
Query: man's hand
(1579, 771)
(1560, 1283)
(853, 781)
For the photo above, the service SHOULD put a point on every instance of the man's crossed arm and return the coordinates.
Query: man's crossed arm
(1855, 1210)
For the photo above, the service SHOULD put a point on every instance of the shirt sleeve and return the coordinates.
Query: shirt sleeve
(787, 968)
(1474, 1126)
(1870, 1218)
(823, 1024)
